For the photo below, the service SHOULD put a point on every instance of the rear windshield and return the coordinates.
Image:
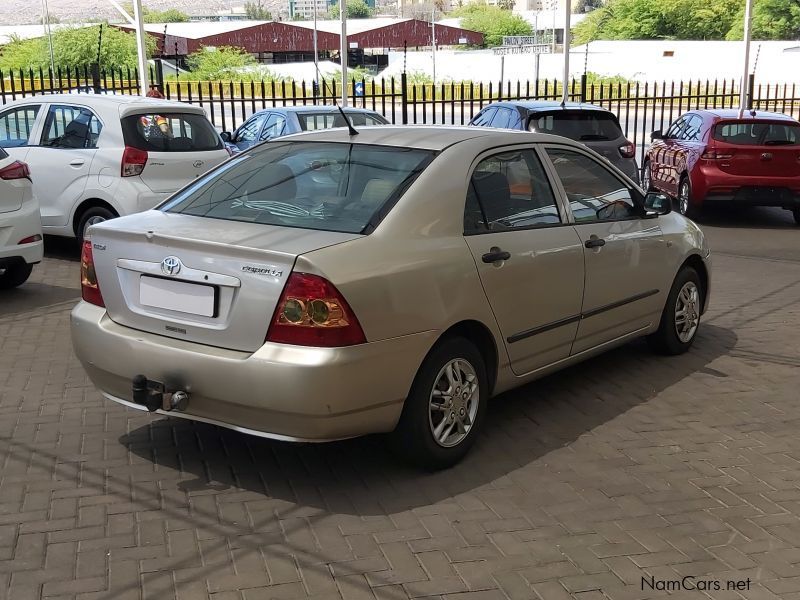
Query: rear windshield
(325, 186)
(584, 126)
(327, 120)
(170, 132)
(755, 133)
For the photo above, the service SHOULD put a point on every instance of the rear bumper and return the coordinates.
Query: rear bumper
(280, 391)
(16, 226)
(710, 185)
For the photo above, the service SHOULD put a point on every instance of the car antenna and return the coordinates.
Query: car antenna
(350, 128)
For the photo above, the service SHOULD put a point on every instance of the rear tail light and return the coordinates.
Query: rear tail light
(627, 150)
(712, 154)
(312, 312)
(133, 162)
(90, 290)
(16, 170)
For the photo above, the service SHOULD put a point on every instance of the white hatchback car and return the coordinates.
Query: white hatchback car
(20, 227)
(95, 157)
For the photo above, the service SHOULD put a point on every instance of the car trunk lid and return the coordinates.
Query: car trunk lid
(209, 281)
(757, 148)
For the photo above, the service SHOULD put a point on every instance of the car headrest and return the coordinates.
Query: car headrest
(491, 187)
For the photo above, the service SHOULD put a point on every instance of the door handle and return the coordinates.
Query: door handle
(495, 255)
(595, 242)
(77, 162)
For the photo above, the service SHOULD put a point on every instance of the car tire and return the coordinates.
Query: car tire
(675, 335)
(421, 436)
(96, 214)
(15, 275)
(685, 206)
(647, 178)
(796, 213)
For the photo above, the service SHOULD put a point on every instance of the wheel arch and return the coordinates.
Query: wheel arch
(88, 204)
(481, 336)
(697, 263)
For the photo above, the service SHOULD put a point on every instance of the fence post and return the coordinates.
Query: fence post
(751, 82)
(404, 96)
(583, 87)
(159, 75)
(96, 85)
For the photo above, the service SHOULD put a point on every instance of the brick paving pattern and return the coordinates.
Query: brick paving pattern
(626, 467)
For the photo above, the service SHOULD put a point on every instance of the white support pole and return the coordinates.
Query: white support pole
(316, 50)
(743, 91)
(567, 11)
(433, 47)
(141, 47)
(49, 33)
(122, 11)
(555, 10)
(343, 49)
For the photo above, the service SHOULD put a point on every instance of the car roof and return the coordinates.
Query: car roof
(322, 108)
(733, 113)
(124, 103)
(549, 105)
(424, 137)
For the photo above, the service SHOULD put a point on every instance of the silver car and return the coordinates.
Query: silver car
(328, 285)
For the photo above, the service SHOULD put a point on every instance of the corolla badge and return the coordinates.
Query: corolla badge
(171, 265)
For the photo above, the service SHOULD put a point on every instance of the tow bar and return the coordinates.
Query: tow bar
(153, 395)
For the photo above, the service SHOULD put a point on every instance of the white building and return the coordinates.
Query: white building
(304, 9)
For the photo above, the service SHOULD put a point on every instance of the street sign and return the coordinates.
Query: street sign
(359, 88)
(523, 49)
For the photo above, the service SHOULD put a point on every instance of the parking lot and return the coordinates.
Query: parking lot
(616, 478)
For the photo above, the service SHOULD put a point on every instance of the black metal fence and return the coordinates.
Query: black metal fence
(640, 107)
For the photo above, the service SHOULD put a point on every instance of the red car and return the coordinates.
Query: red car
(712, 155)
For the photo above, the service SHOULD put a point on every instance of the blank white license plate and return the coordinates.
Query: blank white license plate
(177, 295)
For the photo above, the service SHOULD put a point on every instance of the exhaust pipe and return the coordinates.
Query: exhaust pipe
(153, 396)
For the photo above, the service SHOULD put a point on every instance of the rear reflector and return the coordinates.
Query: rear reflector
(133, 162)
(717, 154)
(312, 312)
(627, 150)
(90, 290)
(16, 170)
(30, 239)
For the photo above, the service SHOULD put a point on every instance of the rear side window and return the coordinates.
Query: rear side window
(71, 127)
(3, 154)
(170, 132)
(314, 121)
(584, 126)
(757, 133)
(324, 186)
(16, 125)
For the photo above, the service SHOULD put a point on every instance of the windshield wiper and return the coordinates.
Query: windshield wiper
(593, 136)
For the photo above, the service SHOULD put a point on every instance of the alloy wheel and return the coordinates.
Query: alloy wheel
(687, 311)
(683, 197)
(453, 403)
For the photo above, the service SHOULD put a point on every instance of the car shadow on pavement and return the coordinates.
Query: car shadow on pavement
(33, 296)
(62, 248)
(731, 216)
(361, 477)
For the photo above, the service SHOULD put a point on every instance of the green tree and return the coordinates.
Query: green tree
(256, 11)
(171, 15)
(772, 20)
(493, 22)
(356, 9)
(224, 62)
(74, 47)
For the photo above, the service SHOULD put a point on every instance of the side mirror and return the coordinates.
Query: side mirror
(657, 203)
(226, 137)
(656, 135)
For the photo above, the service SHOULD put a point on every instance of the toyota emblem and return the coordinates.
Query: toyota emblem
(171, 265)
(197, 164)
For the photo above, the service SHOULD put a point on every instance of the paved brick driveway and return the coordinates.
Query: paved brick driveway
(629, 466)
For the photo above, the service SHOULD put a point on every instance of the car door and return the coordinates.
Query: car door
(624, 250)
(18, 129)
(248, 133)
(61, 162)
(669, 155)
(529, 258)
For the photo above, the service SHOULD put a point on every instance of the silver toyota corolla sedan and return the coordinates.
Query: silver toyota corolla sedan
(329, 285)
